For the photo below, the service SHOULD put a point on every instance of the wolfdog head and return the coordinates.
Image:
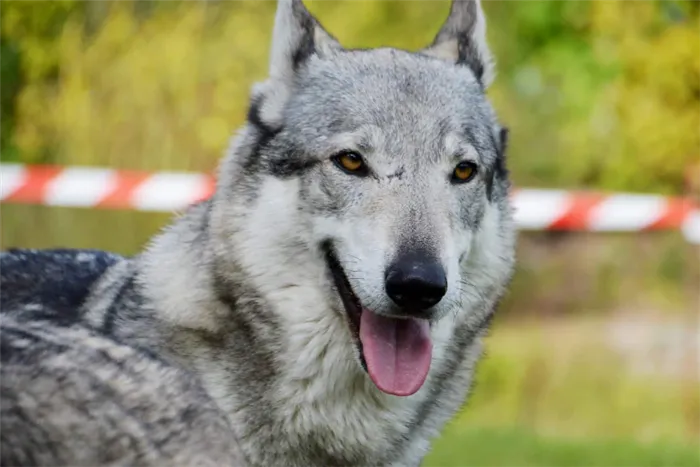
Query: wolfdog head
(379, 176)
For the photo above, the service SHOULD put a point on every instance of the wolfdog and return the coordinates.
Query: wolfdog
(332, 296)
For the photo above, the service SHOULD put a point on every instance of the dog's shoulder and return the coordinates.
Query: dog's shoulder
(58, 279)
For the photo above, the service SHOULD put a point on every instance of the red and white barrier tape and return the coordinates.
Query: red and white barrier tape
(168, 191)
(101, 188)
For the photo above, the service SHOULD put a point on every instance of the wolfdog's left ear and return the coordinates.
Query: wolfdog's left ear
(297, 35)
(462, 39)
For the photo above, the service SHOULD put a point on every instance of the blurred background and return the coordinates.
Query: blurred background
(593, 359)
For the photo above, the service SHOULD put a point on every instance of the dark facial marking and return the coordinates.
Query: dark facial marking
(265, 134)
(294, 164)
(501, 169)
(398, 174)
(266, 131)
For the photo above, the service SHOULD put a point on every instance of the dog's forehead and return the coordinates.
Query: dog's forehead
(406, 99)
(388, 85)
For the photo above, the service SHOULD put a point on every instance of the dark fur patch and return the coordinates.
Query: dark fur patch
(243, 330)
(292, 165)
(460, 26)
(265, 134)
(468, 55)
(307, 43)
(398, 174)
(116, 306)
(58, 279)
(489, 179)
(499, 171)
(306, 47)
(249, 346)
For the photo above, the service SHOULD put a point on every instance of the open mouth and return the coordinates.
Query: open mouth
(395, 352)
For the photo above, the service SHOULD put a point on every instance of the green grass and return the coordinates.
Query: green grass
(517, 447)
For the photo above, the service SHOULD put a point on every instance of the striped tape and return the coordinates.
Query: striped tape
(89, 187)
(102, 188)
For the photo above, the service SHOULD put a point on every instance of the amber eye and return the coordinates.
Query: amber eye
(350, 162)
(463, 172)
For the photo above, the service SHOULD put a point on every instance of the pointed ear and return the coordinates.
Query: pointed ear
(296, 36)
(462, 40)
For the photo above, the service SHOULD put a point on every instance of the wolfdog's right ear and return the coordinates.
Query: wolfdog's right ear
(296, 37)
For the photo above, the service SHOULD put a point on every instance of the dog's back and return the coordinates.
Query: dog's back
(73, 397)
(58, 279)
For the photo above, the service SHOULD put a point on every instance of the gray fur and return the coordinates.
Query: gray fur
(73, 397)
(238, 289)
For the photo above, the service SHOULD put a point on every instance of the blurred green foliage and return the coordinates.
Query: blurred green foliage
(9, 71)
(600, 94)
(517, 447)
(581, 389)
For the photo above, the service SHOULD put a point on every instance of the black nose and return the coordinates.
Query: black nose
(416, 282)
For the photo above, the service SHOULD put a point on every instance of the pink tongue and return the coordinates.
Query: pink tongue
(397, 352)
